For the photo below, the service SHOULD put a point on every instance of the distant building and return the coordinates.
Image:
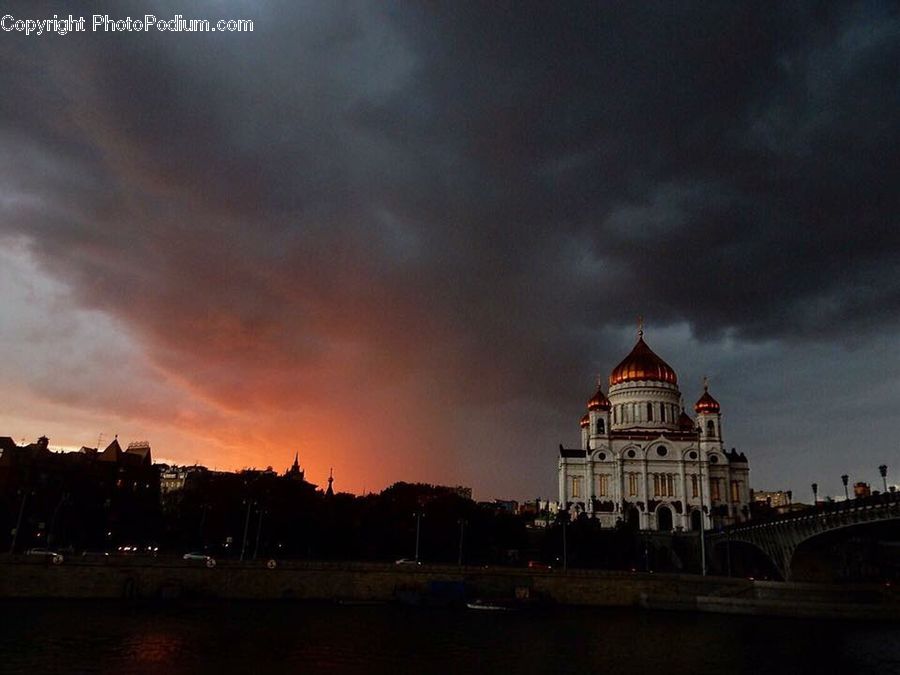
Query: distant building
(773, 498)
(89, 496)
(644, 460)
(175, 478)
(295, 471)
(505, 506)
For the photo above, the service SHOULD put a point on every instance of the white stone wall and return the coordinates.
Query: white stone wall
(629, 402)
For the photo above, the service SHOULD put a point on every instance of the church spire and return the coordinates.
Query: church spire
(330, 491)
(295, 471)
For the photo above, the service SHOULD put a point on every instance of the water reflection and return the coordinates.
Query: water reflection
(73, 637)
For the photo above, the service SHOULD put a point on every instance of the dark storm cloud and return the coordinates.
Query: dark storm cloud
(465, 195)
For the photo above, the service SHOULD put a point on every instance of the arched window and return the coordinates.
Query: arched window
(601, 427)
(710, 428)
(663, 519)
(649, 412)
(695, 520)
(662, 412)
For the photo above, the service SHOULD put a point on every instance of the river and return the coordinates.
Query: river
(255, 637)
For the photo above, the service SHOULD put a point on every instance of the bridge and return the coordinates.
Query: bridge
(779, 538)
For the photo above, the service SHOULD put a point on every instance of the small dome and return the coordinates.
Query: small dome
(585, 421)
(706, 403)
(642, 364)
(598, 400)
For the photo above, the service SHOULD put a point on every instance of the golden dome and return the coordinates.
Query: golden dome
(706, 403)
(585, 422)
(642, 364)
(598, 400)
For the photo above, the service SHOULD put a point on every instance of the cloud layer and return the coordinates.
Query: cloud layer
(405, 238)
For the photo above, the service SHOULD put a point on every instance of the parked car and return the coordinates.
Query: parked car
(537, 565)
(200, 557)
(407, 562)
(52, 556)
(95, 554)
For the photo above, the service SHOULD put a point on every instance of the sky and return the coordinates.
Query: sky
(404, 239)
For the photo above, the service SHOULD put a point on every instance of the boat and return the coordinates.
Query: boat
(494, 605)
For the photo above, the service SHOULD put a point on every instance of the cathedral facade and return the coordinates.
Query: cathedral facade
(643, 460)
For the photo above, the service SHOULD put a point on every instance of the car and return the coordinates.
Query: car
(537, 565)
(52, 556)
(200, 557)
(94, 554)
(407, 562)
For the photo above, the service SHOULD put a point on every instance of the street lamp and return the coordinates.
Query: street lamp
(15, 531)
(250, 503)
(418, 515)
(815, 489)
(262, 512)
(462, 530)
(844, 479)
(883, 471)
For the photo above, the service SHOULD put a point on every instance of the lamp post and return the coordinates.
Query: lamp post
(844, 479)
(815, 489)
(883, 471)
(15, 533)
(258, 531)
(50, 533)
(462, 531)
(249, 503)
(418, 515)
(702, 524)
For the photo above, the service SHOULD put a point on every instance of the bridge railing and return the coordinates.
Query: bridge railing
(820, 509)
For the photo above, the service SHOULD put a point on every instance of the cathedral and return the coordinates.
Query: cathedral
(645, 461)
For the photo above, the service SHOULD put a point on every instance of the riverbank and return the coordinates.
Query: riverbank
(172, 579)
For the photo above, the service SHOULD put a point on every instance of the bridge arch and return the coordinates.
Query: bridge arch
(780, 538)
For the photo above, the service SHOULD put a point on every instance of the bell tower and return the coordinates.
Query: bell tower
(709, 419)
(597, 419)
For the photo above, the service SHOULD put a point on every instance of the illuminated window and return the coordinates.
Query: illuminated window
(576, 487)
(602, 485)
(735, 491)
(715, 490)
(695, 486)
(664, 484)
(632, 484)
